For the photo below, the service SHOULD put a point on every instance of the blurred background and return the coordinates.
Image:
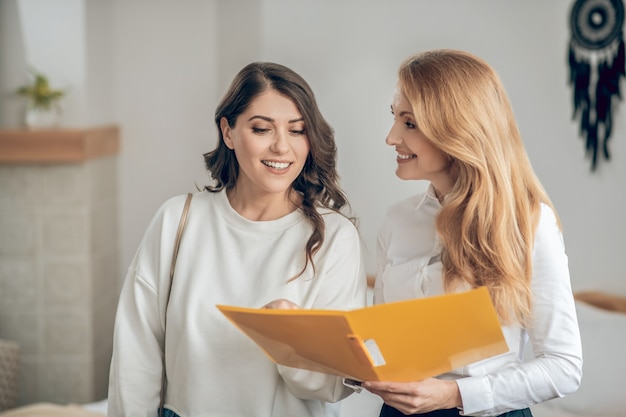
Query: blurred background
(157, 69)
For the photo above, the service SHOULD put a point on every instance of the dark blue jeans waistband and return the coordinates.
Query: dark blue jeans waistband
(387, 411)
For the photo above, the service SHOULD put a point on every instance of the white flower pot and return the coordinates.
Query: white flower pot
(41, 118)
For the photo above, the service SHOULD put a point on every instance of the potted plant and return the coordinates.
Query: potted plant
(43, 108)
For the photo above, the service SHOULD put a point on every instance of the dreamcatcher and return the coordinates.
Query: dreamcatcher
(596, 62)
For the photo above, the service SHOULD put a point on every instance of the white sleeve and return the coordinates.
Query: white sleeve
(136, 364)
(344, 287)
(381, 260)
(556, 368)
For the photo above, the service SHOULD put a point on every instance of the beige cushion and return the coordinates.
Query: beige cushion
(50, 410)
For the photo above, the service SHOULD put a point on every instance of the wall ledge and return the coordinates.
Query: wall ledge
(58, 145)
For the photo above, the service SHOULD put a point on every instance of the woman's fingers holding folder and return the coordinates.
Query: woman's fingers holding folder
(281, 303)
(417, 397)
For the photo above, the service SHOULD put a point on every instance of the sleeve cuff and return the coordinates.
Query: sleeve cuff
(476, 395)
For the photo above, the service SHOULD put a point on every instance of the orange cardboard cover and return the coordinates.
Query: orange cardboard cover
(400, 341)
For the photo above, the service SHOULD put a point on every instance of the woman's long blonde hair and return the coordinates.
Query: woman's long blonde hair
(487, 222)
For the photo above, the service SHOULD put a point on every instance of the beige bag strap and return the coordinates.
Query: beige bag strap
(179, 235)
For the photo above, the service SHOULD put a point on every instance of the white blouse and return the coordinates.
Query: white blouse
(409, 266)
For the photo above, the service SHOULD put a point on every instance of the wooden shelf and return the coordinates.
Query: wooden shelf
(58, 145)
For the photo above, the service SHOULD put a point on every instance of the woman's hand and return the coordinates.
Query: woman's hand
(417, 397)
(281, 303)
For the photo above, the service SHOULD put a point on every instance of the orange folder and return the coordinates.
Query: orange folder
(401, 341)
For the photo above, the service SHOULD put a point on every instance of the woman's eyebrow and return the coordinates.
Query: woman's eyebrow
(402, 113)
(269, 119)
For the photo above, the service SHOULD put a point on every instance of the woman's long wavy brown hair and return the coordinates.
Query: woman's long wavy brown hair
(318, 181)
(488, 221)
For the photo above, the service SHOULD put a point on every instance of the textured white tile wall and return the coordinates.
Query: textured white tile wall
(58, 276)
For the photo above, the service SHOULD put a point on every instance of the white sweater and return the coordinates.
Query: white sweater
(409, 267)
(213, 369)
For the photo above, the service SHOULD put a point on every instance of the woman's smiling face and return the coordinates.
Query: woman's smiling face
(271, 144)
(417, 157)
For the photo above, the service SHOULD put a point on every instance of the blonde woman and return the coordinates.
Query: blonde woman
(485, 220)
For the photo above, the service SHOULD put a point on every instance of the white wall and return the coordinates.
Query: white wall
(69, 42)
(171, 62)
(165, 72)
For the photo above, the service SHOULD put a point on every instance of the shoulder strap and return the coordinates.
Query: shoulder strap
(179, 235)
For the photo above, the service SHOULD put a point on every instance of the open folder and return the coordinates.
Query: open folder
(400, 341)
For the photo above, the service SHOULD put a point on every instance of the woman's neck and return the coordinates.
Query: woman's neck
(441, 192)
(263, 206)
(442, 186)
